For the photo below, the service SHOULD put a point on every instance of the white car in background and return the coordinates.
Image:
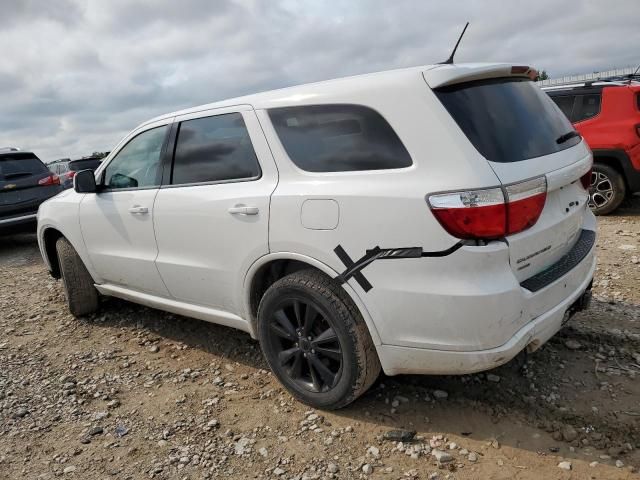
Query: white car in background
(428, 220)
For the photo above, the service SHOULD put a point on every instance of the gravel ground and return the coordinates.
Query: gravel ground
(134, 393)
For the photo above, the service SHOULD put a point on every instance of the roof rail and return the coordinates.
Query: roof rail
(621, 74)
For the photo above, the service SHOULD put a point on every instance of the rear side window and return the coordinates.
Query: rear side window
(508, 119)
(214, 149)
(20, 166)
(338, 138)
(588, 106)
(565, 103)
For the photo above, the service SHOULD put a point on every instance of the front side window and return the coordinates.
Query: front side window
(214, 149)
(338, 138)
(137, 164)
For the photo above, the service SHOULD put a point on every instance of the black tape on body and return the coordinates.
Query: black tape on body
(354, 269)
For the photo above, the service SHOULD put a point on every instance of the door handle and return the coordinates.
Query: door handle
(243, 210)
(137, 209)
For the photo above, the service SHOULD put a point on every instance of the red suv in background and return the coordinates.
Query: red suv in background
(607, 115)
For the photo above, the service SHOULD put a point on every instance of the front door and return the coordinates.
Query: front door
(212, 218)
(117, 222)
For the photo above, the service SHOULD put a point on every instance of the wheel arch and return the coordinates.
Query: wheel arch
(50, 236)
(619, 160)
(270, 268)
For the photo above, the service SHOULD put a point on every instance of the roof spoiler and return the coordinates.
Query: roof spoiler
(449, 74)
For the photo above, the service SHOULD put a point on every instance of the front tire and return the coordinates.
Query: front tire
(316, 341)
(607, 190)
(82, 296)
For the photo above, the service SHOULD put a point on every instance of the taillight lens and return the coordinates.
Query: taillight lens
(472, 214)
(488, 214)
(525, 201)
(50, 180)
(70, 174)
(585, 180)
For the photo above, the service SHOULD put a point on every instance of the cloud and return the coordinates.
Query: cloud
(77, 75)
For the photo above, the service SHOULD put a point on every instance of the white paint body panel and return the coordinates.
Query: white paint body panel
(203, 250)
(454, 314)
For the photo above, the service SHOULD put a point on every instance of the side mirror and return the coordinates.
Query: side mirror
(84, 182)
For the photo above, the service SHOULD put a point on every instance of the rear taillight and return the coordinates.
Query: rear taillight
(50, 180)
(491, 213)
(585, 180)
(70, 174)
(525, 201)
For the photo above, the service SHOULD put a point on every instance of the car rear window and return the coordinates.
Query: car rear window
(20, 166)
(338, 138)
(89, 163)
(589, 106)
(507, 119)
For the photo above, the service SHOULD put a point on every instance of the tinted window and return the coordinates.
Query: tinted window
(338, 138)
(565, 103)
(589, 107)
(89, 163)
(20, 165)
(137, 164)
(214, 149)
(507, 120)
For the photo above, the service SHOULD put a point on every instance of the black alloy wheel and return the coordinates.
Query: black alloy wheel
(306, 345)
(315, 340)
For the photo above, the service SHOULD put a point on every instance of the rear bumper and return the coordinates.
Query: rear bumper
(407, 360)
(21, 222)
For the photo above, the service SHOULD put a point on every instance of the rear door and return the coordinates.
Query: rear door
(211, 217)
(25, 182)
(523, 135)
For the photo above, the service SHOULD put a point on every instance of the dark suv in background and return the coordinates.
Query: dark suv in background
(66, 169)
(607, 115)
(25, 182)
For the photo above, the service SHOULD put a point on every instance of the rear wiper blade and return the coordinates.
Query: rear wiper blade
(16, 175)
(567, 136)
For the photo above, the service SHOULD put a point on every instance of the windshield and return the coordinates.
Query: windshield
(507, 119)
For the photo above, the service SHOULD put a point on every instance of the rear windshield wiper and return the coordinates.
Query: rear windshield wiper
(567, 136)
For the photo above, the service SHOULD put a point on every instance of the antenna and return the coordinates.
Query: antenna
(449, 61)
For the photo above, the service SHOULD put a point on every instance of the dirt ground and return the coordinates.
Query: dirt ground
(135, 393)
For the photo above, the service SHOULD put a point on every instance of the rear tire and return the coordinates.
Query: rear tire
(82, 296)
(607, 190)
(316, 341)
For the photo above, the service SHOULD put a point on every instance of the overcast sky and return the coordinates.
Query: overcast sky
(76, 76)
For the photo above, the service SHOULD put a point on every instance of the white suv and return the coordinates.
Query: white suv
(427, 220)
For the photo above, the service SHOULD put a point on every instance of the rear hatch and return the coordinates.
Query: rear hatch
(25, 182)
(523, 136)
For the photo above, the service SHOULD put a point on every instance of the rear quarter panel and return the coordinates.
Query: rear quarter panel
(614, 128)
(385, 208)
